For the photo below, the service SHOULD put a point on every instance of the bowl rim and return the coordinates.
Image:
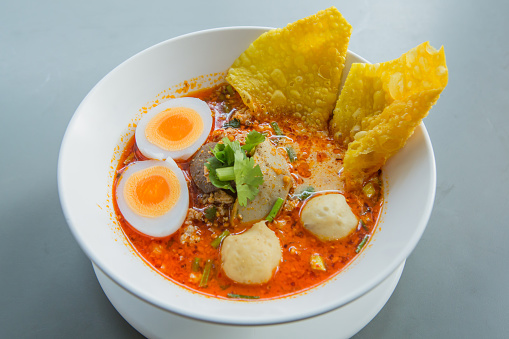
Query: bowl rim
(217, 318)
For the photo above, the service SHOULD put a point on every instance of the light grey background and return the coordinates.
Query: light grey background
(53, 52)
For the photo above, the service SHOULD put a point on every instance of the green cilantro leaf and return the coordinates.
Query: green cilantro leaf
(210, 213)
(218, 152)
(224, 152)
(212, 164)
(233, 145)
(252, 140)
(248, 177)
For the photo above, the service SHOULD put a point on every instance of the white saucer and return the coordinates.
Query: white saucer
(154, 322)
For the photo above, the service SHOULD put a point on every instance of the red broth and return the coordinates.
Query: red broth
(173, 258)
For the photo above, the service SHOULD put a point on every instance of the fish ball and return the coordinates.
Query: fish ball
(251, 257)
(328, 217)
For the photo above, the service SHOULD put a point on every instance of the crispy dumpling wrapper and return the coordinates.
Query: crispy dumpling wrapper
(295, 71)
(380, 106)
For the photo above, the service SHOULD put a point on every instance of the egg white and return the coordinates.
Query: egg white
(166, 224)
(153, 151)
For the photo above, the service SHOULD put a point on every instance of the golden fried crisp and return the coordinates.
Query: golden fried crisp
(381, 105)
(295, 71)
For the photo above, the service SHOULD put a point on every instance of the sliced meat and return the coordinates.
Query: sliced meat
(276, 184)
(197, 168)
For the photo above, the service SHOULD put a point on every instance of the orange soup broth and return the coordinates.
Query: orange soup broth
(173, 259)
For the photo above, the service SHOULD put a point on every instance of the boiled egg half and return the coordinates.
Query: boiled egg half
(153, 197)
(176, 128)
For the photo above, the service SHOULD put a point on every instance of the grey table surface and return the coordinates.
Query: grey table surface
(53, 52)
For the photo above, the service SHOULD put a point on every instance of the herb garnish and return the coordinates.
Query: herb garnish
(361, 245)
(217, 241)
(241, 296)
(276, 129)
(210, 213)
(303, 195)
(231, 163)
(253, 138)
(275, 209)
(195, 264)
(291, 153)
(204, 281)
(234, 123)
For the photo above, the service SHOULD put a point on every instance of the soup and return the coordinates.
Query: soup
(270, 183)
(191, 257)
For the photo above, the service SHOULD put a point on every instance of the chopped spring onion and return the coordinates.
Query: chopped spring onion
(363, 225)
(195, 265)
(240, 296)
(225, 173)
(291, 153)
(229, 89)
(276, 128)
(206, 273)
(217, 241)
(275, 209)
(363, 242)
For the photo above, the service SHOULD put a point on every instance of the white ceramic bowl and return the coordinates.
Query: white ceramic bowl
(100, 128)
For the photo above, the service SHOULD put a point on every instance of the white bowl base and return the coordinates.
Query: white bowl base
(154, 322)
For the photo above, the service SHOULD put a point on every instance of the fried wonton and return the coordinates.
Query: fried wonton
(381, 105)
(295, 71)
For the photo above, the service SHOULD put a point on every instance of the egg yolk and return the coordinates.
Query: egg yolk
(152, 192)
(174, 128)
